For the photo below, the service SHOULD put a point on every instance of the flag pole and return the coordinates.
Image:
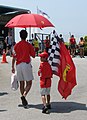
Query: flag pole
(37, 9)
(70, 34)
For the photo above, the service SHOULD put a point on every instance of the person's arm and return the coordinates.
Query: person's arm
(40, 70)
(79, 42)
(13, 63)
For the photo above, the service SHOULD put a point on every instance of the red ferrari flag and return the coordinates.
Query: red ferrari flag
(67, 72)
(62, 65)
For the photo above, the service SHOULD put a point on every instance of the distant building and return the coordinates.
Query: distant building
(7, 13)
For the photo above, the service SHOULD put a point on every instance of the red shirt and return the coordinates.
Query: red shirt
(47, 43)
(72, 41)
(45, 73)
(22, 51)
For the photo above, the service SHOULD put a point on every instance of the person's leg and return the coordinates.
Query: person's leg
(74, 50)
(43, 100)
(27, 88)
(81, 52)
(48, 99)
(44, 109)
(22, 84)
(43, 92)
(71, 51)
(48, 102)
(22, 90)
(43, 97)
(10, 52)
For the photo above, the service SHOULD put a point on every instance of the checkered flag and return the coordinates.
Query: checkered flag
(54, 53)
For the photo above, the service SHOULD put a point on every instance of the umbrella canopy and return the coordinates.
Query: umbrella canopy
(29, 20)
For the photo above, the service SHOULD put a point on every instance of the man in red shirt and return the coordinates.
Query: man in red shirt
(47, 43)
(72, 42)
(21, 54)
(45, 73)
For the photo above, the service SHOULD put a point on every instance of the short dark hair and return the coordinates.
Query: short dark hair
(72, 35)
(81, 38)
(23, 34)
(46, 37)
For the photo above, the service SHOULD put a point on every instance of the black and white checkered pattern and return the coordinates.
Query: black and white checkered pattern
(54, 54)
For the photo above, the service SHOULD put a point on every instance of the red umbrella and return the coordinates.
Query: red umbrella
(29, 20)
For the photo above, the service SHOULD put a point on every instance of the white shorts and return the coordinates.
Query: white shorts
(45, 91)
(24, 72)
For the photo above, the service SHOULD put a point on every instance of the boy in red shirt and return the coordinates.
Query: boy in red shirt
(45, 73)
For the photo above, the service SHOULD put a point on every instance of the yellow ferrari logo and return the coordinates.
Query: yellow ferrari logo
(67, 68)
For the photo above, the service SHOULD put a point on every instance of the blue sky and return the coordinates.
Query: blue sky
(66, 15)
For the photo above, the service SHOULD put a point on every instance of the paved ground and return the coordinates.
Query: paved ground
(74, 108)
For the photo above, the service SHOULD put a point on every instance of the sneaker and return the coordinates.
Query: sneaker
(45, 110)
(48, 106)
(24, 101)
